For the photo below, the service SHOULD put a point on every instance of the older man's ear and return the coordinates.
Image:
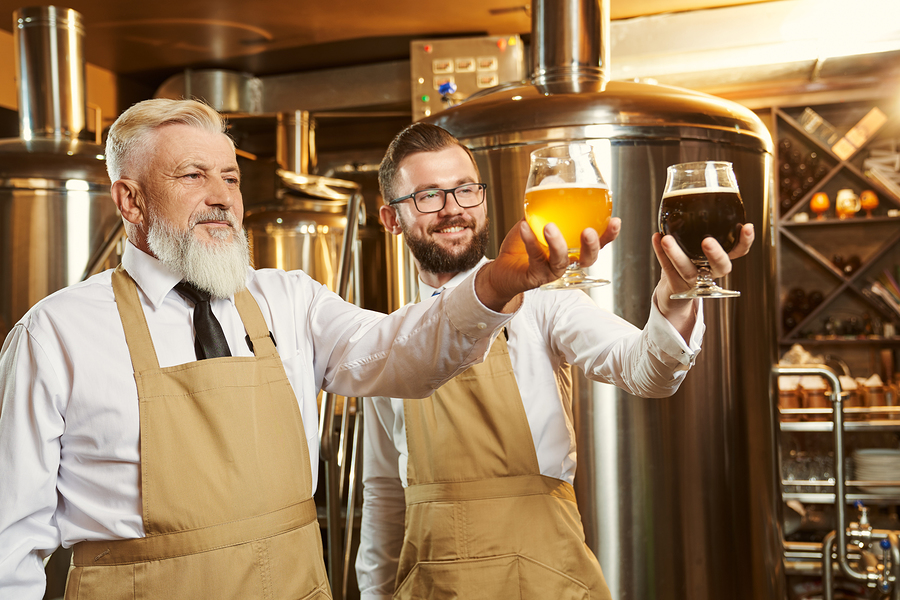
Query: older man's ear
(126, 194)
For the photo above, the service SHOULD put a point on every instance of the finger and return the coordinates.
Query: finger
(612, 231)
(675, 281)
(676, 256)
(719, 262)
(590, 247)
(745, 240)
(533, 247)
(558, 249)
(661, 255)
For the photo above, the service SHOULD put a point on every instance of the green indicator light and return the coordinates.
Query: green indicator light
(425, 98)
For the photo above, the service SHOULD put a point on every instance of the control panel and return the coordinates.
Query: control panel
(446, 71)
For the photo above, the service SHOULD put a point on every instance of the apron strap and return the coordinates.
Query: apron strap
(254, 324)
(137, 333)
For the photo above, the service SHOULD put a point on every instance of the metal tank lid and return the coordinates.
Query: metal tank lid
(524, 113)
(50, 163)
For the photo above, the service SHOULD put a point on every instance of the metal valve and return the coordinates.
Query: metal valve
(884, 578)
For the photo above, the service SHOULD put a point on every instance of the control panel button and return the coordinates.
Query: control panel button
(486, 81)
(442, 65)
(487, 63)
(440, 80)
(465, 65)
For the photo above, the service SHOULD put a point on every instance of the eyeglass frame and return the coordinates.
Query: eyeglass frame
(446, 192)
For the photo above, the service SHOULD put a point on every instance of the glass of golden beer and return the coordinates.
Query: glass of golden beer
(701, 200)
(565, 187)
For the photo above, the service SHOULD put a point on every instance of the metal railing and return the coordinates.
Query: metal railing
(861, 534)
(332, 443)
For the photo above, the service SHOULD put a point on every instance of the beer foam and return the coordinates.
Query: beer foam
(556, 183)
(702, 190)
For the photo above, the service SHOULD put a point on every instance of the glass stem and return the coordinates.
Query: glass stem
(704, 276)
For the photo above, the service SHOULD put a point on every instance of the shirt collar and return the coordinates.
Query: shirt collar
(154, 278)
(426, 291)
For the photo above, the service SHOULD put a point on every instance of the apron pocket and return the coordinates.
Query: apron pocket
(506, 576)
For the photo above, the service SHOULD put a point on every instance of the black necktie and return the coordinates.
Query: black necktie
(210, 341)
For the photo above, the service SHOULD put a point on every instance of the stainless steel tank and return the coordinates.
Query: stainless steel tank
(301, 231)
(303, 226)
(56, 214)
(677, 494)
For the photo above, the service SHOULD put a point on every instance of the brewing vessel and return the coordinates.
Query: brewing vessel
(677, 494)
(56, 213)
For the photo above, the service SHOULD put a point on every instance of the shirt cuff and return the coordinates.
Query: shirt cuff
(466, 312)
(666, 342)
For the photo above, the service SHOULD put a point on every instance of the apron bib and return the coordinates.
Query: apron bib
(226, 486)
(482, 523)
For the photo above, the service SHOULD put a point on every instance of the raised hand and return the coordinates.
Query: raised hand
(523, 263)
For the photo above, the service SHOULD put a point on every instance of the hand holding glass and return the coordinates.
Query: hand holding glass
(701, 200)
(565, 187)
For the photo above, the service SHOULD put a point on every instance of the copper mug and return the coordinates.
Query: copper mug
(816, 399)
(874, 399)
(789, 399)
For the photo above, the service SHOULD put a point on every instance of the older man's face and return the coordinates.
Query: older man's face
(192, 179)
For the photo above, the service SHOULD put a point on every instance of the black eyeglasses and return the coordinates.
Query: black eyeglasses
(468, 195)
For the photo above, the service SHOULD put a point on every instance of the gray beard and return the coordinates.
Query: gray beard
(219, 268)
(435, 259)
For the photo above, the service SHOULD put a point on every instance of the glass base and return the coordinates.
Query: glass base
(574, 280)
(706, 291)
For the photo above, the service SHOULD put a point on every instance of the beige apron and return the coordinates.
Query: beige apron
(481, 521)
(225, 479)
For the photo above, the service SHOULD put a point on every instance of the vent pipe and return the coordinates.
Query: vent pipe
(50, 71)
(570, 41)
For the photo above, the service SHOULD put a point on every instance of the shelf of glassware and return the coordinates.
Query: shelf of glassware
(856, 419)
(851, 497)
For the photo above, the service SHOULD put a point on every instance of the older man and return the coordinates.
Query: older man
(161, 417)
(468, 494)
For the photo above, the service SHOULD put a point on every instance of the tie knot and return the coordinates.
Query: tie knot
(191, 292)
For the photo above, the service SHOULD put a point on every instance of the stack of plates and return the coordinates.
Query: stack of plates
(878, 464)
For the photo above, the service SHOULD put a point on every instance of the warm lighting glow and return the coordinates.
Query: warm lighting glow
(78, 228)
(829, 28)
(751, 35)
(603, 268)
(76, 68)
(77, 185)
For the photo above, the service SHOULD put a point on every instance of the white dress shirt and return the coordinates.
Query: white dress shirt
(552, 329)
(69, 418)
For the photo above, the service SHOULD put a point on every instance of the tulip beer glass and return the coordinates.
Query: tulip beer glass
(701, 200)
(565, 187)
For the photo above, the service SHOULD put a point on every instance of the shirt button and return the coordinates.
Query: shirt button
(481, 325)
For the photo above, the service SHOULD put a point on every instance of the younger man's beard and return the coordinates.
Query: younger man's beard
(436, 259)
(218, 267)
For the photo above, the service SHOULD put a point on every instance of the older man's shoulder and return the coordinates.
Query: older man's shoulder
(88, 302)
(295, 284)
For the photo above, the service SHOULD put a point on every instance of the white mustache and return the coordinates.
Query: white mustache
(215, 214)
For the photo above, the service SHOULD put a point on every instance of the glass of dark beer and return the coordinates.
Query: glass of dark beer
(701, 200)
